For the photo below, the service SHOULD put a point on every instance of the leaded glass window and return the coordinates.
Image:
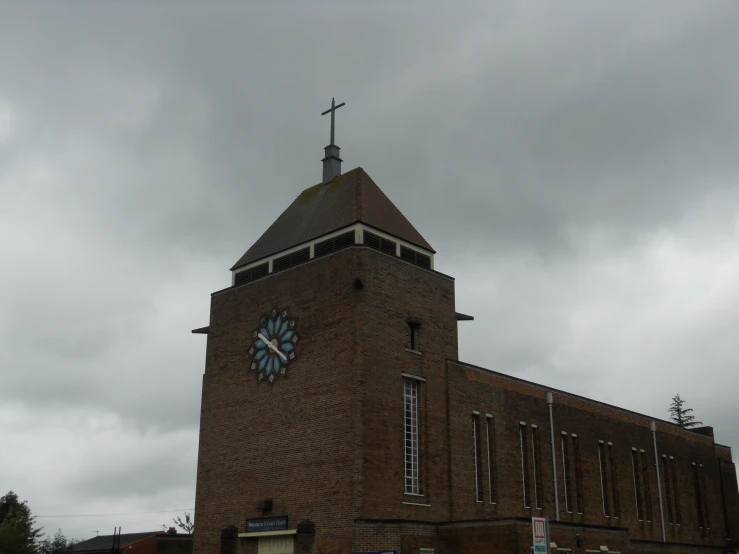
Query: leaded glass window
(410, 403)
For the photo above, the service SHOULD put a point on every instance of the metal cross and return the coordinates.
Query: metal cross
(332, 110)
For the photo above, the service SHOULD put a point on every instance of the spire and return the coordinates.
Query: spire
(332, 161)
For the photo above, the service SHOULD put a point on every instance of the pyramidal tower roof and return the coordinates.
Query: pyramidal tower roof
(347, 199)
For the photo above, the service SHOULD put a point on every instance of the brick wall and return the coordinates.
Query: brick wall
(394, 293)
(515, 537)
(327, 442)
(511, 401)
(292, 441)
(404, 537)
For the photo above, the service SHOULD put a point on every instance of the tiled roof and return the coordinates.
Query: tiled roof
(105, 542)
(321, 209)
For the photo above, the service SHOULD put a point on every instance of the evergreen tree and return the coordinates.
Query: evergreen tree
(681, 415)
(17, 532)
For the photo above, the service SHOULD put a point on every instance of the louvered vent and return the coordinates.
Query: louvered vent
(414, 257)
(323, 248)
(342, 241)
(333, 244)
(380, 243)
(251, 274)
(371, 240)
(290, 260)
(387, 246)
(423, 260)
(260, 270)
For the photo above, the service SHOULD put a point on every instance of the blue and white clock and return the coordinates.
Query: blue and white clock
(273, 345)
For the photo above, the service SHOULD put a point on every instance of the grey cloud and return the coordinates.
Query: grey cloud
(552, 154)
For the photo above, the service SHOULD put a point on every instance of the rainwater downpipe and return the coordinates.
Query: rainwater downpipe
(653, 427)
(554, 456)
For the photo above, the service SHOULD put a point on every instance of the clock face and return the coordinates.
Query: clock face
(273, 345)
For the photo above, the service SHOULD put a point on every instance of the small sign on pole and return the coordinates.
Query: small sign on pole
(540, 527)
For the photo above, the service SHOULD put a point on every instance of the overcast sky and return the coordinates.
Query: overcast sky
(574, 164)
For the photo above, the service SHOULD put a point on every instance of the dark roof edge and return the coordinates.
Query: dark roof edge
(105, 539)
(722, 445)
(299, 244)
(433, 271)
(397, 237)
(146, 538)
(237, 266)
(463, 317)
(201, 331)
(552, 389)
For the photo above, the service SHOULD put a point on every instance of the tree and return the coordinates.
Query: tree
(187, 526)
(17, 532)
(681, 415)
(57, 545)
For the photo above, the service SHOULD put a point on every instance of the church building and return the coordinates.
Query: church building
(337, 417)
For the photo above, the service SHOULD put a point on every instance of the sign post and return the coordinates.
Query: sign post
(540, 526)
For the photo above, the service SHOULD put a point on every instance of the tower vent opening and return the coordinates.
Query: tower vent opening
(251, 274)
(380, 243)
(333, 244)
(414, 257)
(290, 260)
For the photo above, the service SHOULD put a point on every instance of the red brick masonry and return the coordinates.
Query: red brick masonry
(326, 443)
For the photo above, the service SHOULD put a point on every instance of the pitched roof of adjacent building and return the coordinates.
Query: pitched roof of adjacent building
(105, 542)
(349, 198)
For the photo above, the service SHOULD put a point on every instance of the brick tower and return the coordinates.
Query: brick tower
(334, 316)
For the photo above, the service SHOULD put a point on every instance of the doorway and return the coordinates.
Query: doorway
(276, 545)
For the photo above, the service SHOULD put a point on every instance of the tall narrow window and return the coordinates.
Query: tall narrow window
(524, 464)
(536, 452)
(578, 474)
(477, 457)
(614, 481)
(492, 491)
(603, 479)
(410, 401)
(647, 488)
(675, 491)
(566, 473)
(668, 489)
(698, 497)
(637, 487)
(413, 328)
(706, 511)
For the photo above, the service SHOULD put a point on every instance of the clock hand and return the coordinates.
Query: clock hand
(267, 342)
(272, 346)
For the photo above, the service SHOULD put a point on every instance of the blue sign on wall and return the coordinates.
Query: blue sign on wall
(266, 524)
(379, 552)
